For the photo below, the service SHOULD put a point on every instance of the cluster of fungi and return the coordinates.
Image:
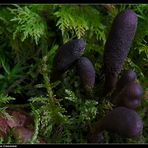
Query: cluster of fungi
(124, 88)
(125, 91)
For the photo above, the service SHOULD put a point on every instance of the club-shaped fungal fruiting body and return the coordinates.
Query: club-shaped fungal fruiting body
(86, 73)
(66, 55)
(126, 77)
(121, 120)
(118, 45)
(129, 96)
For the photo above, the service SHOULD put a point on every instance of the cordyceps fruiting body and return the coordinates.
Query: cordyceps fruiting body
(121, 120)
(126, 77)
(66, 55)
(117, 46)
(86, 73)
(129, 96)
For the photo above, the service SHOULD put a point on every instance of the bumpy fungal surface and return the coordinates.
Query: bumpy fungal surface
(121, 120)
(124, 122)
(86, 73)
(126, 77)
(68, 53)
(130, 96)
(117, 46)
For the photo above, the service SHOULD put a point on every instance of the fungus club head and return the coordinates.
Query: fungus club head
(118, 45)
(129, 96)
(124, 122)
(86, 72)
(66, 56)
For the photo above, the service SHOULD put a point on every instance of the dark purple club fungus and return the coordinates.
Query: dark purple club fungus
(121, 120)
(126, 77)
(86, 73)
(118, 45)
(67, 55)
(129, 96)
